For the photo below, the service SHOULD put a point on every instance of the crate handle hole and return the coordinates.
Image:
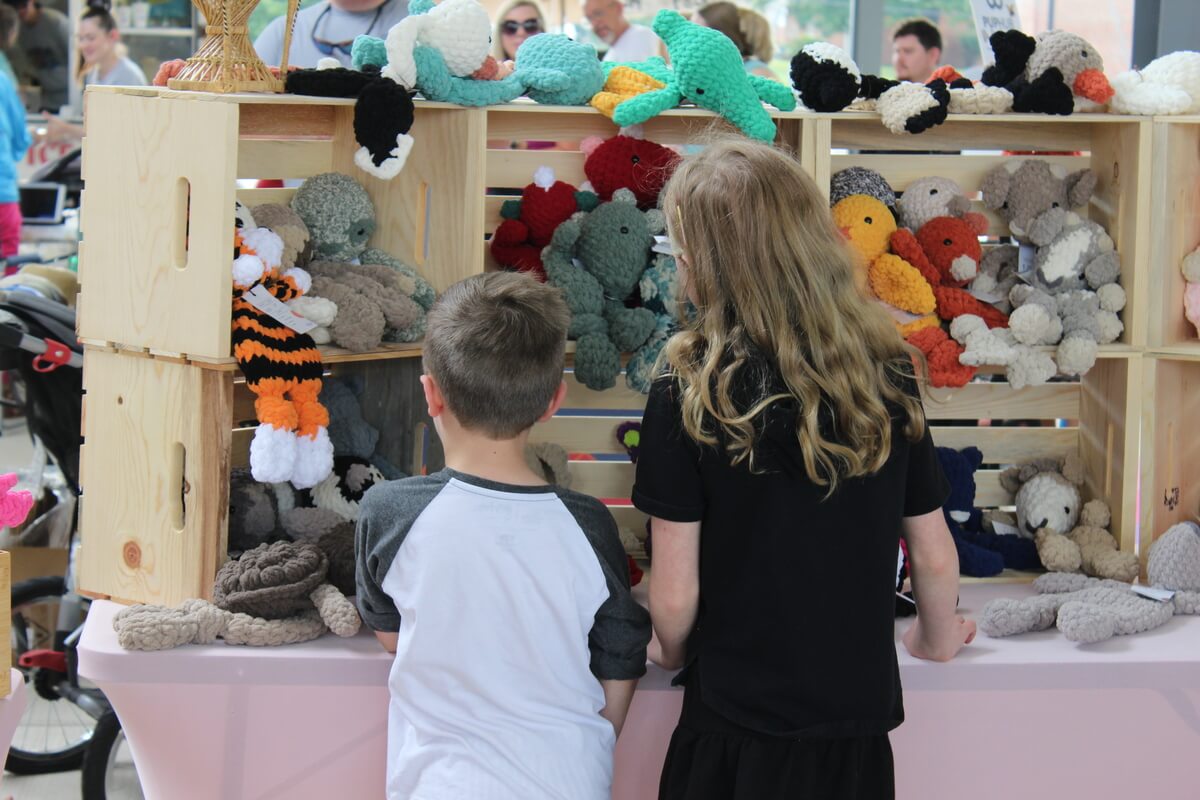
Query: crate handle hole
(182, 223)
(179, 486)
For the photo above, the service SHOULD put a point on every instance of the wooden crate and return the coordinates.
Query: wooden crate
(161, 167)
(160, 438)
(1170, 468)
(1175, 226)
(967, 147)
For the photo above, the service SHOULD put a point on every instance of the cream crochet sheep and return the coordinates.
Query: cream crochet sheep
(1169, 84)
(1088, 610)
(1070, 536)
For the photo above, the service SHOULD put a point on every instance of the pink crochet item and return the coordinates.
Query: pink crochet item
(14, 506)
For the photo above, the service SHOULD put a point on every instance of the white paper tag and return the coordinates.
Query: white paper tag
(1004, 529)
(1154, 593)
(662, 244)
(988, 297)
(1025, 257)
(268, 304)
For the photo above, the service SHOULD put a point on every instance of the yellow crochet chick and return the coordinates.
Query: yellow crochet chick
(869, 226)
(622, 84)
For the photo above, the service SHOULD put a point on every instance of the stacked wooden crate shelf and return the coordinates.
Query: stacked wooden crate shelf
(167, 416)
(1171, 373)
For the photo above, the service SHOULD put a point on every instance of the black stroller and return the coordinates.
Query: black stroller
(66, 725)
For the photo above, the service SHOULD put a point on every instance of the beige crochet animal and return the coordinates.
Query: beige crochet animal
(1070, 536)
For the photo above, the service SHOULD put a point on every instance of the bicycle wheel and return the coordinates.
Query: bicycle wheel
(108, 771)
(54, 732)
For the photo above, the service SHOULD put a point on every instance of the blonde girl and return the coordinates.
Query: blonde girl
(783, 454)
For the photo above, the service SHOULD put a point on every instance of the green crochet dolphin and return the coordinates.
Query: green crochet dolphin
(706, 69)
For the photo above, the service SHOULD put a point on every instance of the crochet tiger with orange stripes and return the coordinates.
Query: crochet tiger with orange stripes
(282, 366)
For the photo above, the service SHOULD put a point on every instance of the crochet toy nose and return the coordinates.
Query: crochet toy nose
(1092, 84)
(960, 516)
(845, 233)
(963, 268)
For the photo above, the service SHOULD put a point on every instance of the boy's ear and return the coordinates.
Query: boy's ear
(433, 396)
(556, 402)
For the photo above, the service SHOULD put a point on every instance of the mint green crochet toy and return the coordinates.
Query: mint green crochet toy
(706, 69)
(550, 68)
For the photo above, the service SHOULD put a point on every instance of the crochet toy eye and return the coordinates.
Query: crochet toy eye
(636, 159)
(1005, 205)
(932, 192)
(868, 220)
(1054, 205)
(947, 242)
(624, 229)
(1083, 53)
(1066, 510)
(699, 91)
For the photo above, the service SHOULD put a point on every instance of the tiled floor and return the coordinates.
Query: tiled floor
(45, 720)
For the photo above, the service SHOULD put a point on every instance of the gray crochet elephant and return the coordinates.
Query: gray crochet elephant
(1034, 197)
(1090, 610)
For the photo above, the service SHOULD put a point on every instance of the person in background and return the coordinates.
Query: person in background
(747, 29)
(516, 22)
(42, 52)
(626, 42)
(10, 27)
(916, 50)
(328, 29)
(102, 61)
(14, 141)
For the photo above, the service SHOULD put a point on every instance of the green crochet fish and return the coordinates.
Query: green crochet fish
(706, 69)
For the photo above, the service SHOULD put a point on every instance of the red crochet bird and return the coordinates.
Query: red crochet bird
(627, 162)
(529, 223)
(946, 251)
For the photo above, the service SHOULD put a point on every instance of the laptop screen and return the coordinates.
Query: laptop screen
(42, 203)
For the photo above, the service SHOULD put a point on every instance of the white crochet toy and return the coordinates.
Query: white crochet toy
(1070, 536)
(1167, 85)
(458, 29)
(1088, 610)
(984, 346)
(998, 274)
(1191, 292)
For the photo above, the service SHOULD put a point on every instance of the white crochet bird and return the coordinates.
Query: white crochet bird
(1167, 85)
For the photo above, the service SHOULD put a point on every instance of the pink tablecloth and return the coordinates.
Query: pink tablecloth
(1032, 716)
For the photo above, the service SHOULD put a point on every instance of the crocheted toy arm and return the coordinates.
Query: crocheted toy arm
(1186, 602)
(336, 611)
(629, 328)
(422, 291)
(148, 627)
(295, 282)
(637, 110)
(1111, 613)
(1008, 617)
(905, 245)
(582, 291)
(953, 303)
(899, 283)
(773, 92)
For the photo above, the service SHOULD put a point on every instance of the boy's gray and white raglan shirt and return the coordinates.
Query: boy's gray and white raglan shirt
(510, 602)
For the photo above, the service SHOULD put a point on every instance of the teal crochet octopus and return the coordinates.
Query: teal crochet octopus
(659, 289)
(550, 68)
(597, 259)
(706, 69)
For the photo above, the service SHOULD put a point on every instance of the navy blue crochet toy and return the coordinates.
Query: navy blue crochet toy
(980, 553)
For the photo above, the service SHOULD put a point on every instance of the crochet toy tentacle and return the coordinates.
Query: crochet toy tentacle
(773, 92)
(637, 110)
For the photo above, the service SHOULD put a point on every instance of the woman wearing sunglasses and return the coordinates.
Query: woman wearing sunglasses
(327, 30)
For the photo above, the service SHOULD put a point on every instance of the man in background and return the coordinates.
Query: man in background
(327, 30)
(626, 42)
(42, 51)
(916, 50)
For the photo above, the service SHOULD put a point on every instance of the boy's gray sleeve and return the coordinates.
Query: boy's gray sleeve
(370, 567)
(621, 629)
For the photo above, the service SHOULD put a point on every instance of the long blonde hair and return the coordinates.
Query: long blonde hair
(497, 32)
(773, 280)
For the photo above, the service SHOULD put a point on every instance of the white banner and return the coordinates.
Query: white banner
(992, 16)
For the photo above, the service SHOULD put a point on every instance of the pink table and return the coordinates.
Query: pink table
(1032, 716)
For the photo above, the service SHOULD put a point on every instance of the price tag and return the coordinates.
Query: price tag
(270, 305)
(1154, 593)
(1004, 529)
(1025, 258)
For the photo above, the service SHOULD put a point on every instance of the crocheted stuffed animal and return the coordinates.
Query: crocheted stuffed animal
(1070, 536)
(529, 223)
(827, 79)
(998, 274)
(706, 69)
(946, 250)
(659, 290)
(984, 346)
(459, 31)
(1088, 610)
(1034, 197)
(14, 506)
(980, 553)
(620, 84)
(1191, 292)
(860, 180)
(1056, 73)
(926, 198)
(597, 260)
(282, 365)
(626, 161)
(340, 217)
(274, 594)
(900, 287)
(1169, 84)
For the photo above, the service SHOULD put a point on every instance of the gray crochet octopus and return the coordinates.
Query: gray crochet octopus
(275, 594)
(1089, 610)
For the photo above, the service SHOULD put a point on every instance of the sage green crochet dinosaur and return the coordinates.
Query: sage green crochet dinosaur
(706, 69)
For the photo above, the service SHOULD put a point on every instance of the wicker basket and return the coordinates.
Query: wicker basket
(226, 61)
